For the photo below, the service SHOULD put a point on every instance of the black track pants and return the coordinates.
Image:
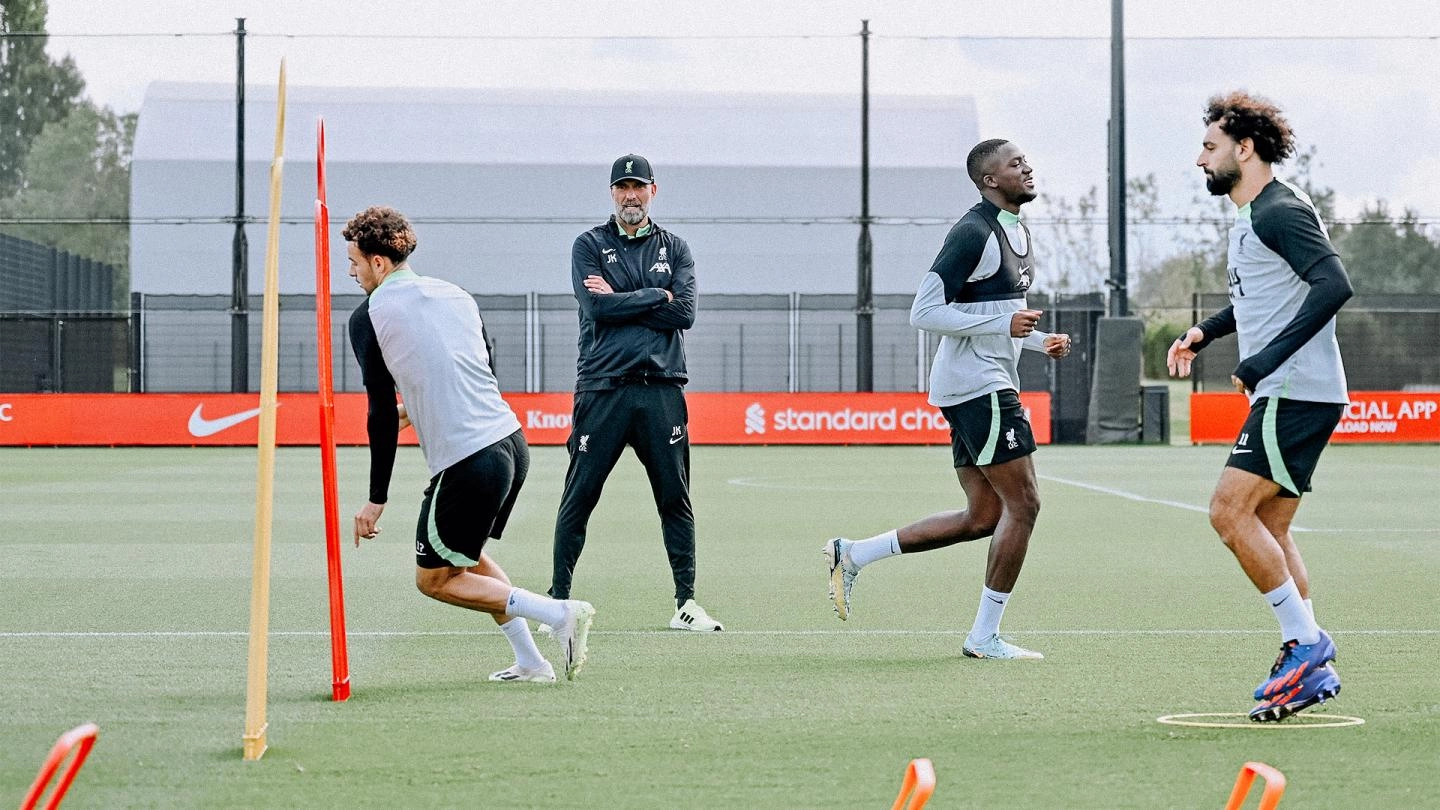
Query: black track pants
(652, 419)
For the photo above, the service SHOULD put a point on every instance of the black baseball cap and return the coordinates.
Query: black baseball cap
(631, 167)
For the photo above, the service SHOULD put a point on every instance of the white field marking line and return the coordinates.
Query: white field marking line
(1131, 496)
(1120, 493)
(673, 633)
(760, 483)
(788, 486)
(1320, 721)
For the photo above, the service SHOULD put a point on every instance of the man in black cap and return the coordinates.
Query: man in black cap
(635, 283)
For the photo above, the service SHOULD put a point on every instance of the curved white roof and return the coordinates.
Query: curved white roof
(467, 125)
(764, 187)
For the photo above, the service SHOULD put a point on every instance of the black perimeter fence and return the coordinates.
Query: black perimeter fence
(800, 343)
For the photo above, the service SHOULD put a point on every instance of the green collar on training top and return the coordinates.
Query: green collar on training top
(645, 231)
(402, 271)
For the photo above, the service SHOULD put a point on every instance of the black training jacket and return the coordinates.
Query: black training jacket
(634, 332)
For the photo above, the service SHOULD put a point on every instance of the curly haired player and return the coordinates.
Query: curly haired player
(423, 337)
(1286, 284)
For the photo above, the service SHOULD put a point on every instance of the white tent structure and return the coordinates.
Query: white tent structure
(765, 188)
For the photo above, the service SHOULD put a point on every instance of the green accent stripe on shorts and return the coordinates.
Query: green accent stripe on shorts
(1279, 473)
(447, 554)
(988, 454)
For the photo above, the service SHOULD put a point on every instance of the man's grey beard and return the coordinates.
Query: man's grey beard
(630, 215)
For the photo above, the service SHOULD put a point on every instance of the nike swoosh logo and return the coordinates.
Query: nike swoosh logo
(200, 427)
(996, 601)
(1238, 450)
(676, 439)
(1281, 602)
(607, 250)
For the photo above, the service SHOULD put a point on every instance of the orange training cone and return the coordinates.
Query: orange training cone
(918, 785)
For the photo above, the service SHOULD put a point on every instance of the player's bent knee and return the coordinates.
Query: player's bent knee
(431, 581)
(1225, 517)
(1025, 508)
(983, 527)
(1220, 520)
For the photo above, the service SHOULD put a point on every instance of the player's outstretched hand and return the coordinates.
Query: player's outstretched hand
(1057, 345)
(366, 520)
(1180, 356)
(1022, 323)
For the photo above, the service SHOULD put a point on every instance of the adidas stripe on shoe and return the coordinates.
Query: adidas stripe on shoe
(690, 616)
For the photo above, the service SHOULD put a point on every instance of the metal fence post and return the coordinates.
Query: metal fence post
(137, 343)
(57, 347)
(793, 368)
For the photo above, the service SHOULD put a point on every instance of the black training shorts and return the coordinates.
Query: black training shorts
(1282, 439)
(989, 429)
(470, 502)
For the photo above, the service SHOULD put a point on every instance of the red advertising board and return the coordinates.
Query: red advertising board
(229, 419)
(1371, 416)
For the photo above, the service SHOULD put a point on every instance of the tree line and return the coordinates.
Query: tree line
(64, 157)
(1172, 258)
(61, 155)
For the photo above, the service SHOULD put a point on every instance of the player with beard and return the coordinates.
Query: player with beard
(974, 298)
(1286, 284)
(635, 284)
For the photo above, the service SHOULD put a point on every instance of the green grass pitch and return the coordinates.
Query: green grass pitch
(125, 585)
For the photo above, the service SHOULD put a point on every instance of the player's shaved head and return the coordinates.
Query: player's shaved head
(981, 160)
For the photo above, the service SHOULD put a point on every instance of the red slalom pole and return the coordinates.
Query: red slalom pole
(325, 383)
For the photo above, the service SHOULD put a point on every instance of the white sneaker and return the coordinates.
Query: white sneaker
(842, 574)
(691, 616)
(996, 647)
(518, 674)
(573, 635)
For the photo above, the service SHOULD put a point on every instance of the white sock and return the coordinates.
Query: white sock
(527, 654)
(534, 606)
(864, 552)
(987, 618)
(1295, 619)
(1310, 606)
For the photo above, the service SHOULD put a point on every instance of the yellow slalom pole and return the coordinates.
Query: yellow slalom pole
(255, 682)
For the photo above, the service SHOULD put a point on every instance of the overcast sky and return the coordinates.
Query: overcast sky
(1368, 107)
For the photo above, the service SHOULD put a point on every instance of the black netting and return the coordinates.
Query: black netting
(1384, 340)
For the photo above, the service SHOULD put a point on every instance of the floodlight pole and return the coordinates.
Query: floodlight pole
(239, 249)
(864, 292)
(1119, 299)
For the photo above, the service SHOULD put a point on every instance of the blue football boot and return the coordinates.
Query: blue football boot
(1317, 687)
(1295, 662)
